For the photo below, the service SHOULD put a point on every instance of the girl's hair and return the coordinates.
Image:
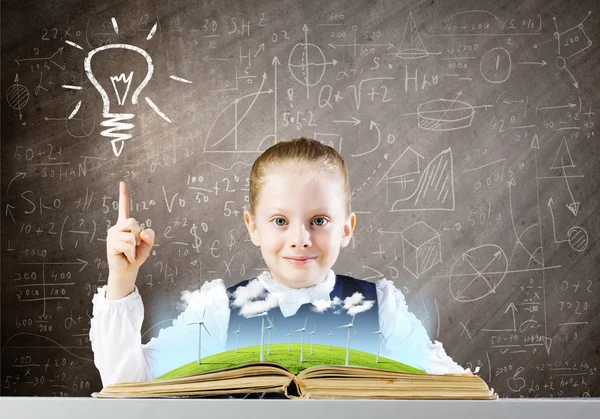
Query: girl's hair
(298, 150)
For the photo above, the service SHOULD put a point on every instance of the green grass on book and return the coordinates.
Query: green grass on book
(290, 360)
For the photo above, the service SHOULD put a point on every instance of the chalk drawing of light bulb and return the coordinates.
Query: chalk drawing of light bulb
(118, 123)
(118, 117)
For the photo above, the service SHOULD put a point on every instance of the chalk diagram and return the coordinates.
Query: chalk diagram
(17, 96)
(562, 160)
(307, 63)
(224, 129)
(421, 248)
(80, 119)
(576, 236)
(413, 189)
(445, 114)
(522, 240)
(569, 43)
(477, 273)
(114, 89)
(411, 47)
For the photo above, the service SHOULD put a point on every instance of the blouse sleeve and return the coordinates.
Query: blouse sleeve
(406, 340)
(115, 334)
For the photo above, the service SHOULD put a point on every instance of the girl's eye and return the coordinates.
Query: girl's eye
(278, 223)
(322, 222)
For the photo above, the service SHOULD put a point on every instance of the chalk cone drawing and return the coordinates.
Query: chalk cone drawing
(411, 47)
(414, 190)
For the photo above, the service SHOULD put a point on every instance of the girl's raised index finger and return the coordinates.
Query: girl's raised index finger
(123, 201)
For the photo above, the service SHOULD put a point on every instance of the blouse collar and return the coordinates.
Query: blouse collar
(291, 299)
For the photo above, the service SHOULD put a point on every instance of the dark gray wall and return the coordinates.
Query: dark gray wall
(469, 128)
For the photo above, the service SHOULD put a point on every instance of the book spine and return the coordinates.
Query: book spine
(293, 389)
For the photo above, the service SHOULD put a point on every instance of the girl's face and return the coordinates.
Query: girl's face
(300, 223)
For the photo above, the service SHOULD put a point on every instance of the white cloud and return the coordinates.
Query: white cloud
(258, 306)
(253, 299)
(210, 293)
(320, 306)
(356, 304)
(243, 295)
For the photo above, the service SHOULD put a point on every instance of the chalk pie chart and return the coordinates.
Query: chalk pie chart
(477, 273)
(445, 115)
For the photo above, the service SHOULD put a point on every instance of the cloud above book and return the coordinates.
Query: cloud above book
(353, 305)
(253, 299)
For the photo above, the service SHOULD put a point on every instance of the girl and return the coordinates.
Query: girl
(299, 215)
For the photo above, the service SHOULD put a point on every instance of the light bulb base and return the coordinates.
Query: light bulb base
(116, 128)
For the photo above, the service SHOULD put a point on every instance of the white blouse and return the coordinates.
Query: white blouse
(119, 355)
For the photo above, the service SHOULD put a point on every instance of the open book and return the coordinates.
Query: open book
(384, 379)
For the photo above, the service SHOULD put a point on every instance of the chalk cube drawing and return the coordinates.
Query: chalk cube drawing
(422, 248)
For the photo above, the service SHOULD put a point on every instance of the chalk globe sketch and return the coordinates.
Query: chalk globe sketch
(307, 64)
(17, 96)
(477, 273)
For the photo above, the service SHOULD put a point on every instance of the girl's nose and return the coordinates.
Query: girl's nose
(300, 236)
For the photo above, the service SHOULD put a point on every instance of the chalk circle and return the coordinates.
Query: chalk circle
(17, 96)
(495, 65)
(560, 62)
(578, 239)
(307, 64)
(83, 122)
(445, 115)
(477, 273)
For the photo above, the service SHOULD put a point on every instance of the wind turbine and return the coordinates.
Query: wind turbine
(302, 339)
(348, 326)
(200, 326)
(312, 334)
(329, 346)
(288, 335)
(237, 335)
(379, 333)
(262, 335)
(268, 328)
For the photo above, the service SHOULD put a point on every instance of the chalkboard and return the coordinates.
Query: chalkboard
(469, 129)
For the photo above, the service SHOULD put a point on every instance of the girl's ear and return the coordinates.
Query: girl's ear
(348, 229)
(251, 226)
